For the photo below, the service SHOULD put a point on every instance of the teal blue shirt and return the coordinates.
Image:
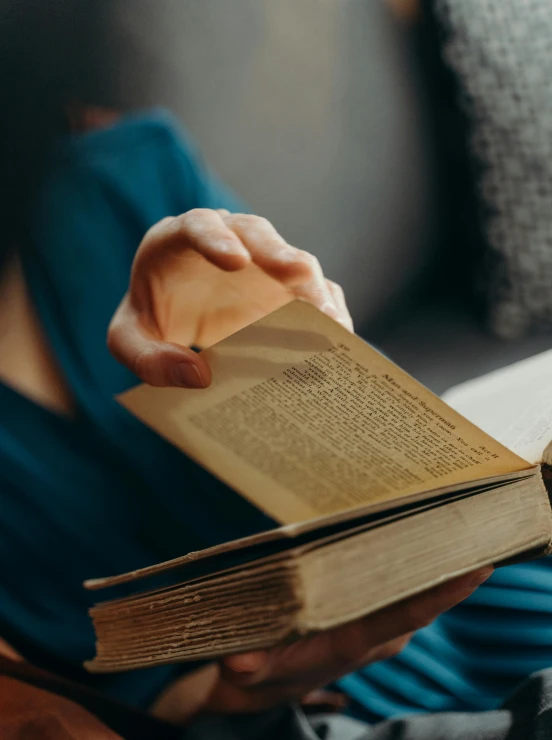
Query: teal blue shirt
(99, 494)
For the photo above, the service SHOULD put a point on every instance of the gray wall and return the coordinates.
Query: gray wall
(310, 109)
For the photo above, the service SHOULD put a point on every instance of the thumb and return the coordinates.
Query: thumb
(154, 361)
(247, 663)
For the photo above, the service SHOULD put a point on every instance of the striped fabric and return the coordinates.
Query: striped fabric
(472, 657)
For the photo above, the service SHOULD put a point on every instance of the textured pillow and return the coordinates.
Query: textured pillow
(501, 54)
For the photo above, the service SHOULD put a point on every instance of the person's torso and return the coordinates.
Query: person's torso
(99, 493)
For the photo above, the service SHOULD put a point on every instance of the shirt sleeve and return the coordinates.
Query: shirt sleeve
(194, 183)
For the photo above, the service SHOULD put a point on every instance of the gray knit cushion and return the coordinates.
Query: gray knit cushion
(501, 53)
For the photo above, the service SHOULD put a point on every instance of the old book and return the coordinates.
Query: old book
(383, 490)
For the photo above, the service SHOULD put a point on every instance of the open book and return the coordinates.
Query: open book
(382, 488)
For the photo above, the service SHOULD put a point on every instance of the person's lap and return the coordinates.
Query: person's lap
(527, 715)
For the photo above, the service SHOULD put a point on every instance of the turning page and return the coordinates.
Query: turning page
(305, 419)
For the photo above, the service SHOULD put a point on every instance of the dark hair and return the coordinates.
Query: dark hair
(51, 54)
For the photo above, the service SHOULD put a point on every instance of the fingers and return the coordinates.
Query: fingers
(232, 242)
(421, 610)
(155, 362)
(339, 300)
(355, 643)
(299, 271)
(270, 251)
(385, 651)
(201, 230)
(134, 336)
(261, 680)
(324, 657)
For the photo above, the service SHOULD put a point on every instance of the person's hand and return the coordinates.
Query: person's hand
(200, 277)
(263, 680)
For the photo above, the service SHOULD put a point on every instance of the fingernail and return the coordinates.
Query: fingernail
(187, 375)
(481, 576)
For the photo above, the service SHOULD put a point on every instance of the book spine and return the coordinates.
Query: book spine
(546, 475)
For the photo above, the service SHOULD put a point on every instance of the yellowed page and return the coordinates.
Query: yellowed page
(513, 404)
(305, 419)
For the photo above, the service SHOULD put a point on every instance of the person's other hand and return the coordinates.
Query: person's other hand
(200, 277)
(260, 681)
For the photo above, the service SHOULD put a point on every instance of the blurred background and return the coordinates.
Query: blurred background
(338, 121)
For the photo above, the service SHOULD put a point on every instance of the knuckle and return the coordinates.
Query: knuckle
(161, 225)
(193, 220)
(194, 214)
(185, 221)
(249, 221)
(309, 260)
(263, 222)
(242, 219)
(337, 288)
(197, 228)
